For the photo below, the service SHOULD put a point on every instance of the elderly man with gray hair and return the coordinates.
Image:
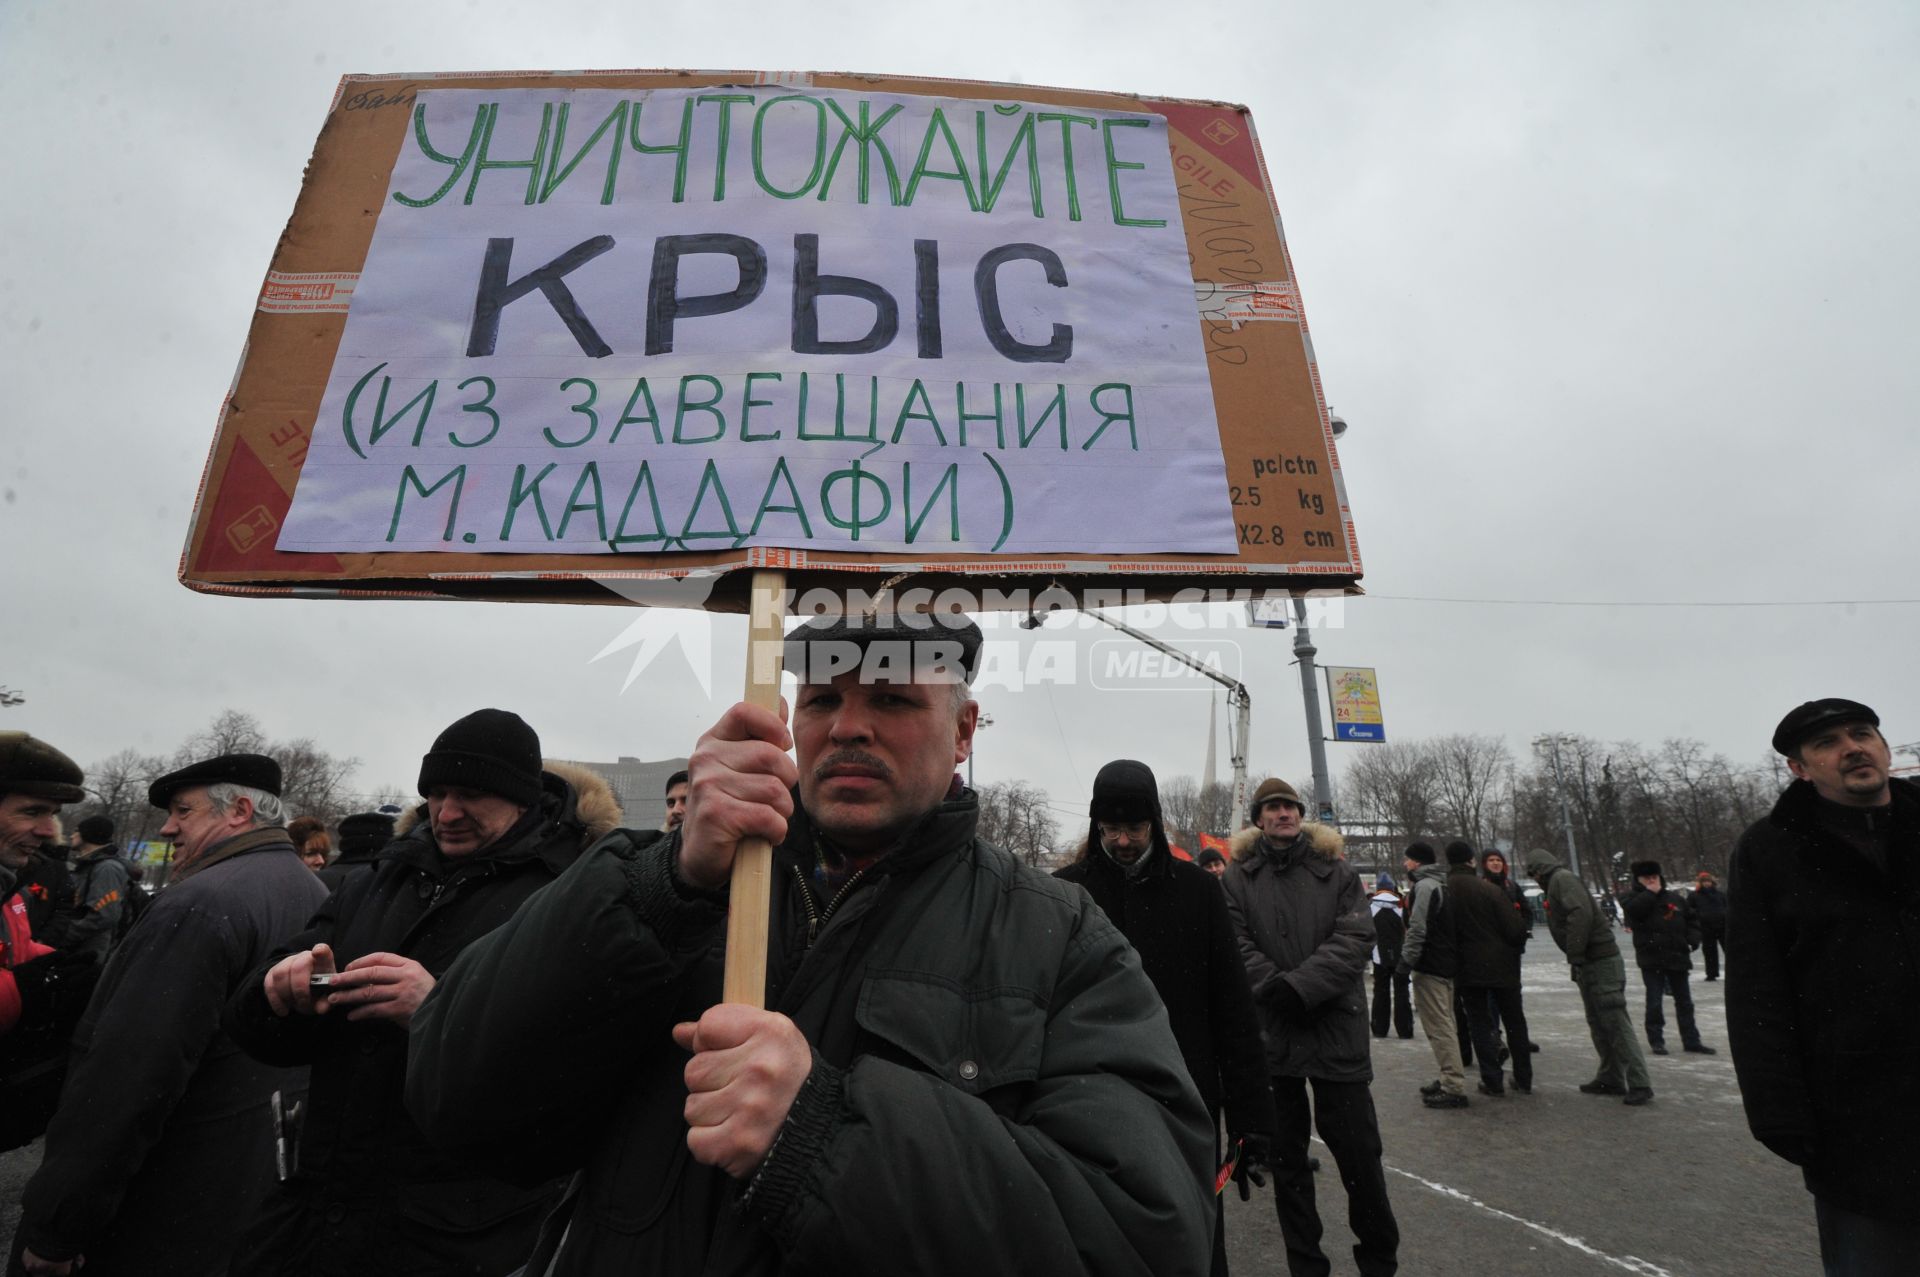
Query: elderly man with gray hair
(165, 1138)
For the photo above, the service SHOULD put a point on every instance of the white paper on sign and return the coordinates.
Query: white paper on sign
(597, 320)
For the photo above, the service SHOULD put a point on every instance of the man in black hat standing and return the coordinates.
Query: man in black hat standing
(1301, 917)
(1175, 915)
(164, 1139)
(1823, 914)
(962, 1068)
(368, 1195)
(1665, 934)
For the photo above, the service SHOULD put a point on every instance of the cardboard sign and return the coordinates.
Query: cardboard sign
(529, 332)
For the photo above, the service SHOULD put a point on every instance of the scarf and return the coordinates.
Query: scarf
(227, 849)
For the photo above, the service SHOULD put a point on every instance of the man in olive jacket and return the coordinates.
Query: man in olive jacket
(1305, 935)
(1822, 977)
(963, 1069)
(1584, 936)
(1174, 913)
(369, 1196)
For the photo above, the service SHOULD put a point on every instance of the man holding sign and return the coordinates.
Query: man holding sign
(965, 1068)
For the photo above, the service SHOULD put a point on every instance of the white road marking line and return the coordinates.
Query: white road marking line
(1628, 1263)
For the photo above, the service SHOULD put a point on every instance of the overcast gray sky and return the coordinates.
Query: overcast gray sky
(1617, 299)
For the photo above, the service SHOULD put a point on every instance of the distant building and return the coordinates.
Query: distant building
(640, 787)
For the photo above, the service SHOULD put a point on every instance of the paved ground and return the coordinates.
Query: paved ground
(1562, 1183)
(1556, 1183)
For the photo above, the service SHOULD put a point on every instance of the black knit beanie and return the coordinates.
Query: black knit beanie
(1420, 854)
(1459, 853)
(490, 750)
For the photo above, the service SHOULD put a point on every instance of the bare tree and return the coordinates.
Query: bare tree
(117, 789)
(1180, 805)
(232, 731)
(1396, 785)
(1014, 815)
(1213, 811)
(313, 782)
(1467, 771)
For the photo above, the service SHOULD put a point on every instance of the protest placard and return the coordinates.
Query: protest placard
(529, 332)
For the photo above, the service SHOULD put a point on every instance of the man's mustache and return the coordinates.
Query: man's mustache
(853, 758)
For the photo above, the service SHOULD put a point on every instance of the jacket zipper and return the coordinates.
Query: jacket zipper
(817, 919)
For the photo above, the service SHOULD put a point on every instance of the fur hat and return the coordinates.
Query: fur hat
(28, 765)
(491, 750)
(365, 832)
(1647, 869)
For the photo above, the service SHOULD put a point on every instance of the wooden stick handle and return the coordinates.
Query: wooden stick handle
(746, 976)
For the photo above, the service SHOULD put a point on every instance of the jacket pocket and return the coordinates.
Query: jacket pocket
(973, 1039)
(636, 1171)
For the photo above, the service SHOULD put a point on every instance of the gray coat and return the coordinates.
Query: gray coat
(163, 1143)
(1301, 918)
(87, 922)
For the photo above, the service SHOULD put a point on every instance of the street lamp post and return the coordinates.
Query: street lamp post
(1552, 744)
(1304, 651)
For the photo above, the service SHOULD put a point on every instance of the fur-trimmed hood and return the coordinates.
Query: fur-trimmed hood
(593, 799)
(1322, 840)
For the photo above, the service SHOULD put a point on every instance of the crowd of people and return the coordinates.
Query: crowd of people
(487, 1035)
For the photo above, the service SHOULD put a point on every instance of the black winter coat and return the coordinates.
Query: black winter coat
(1174, 913)
(1823, 970)
(371, 1195)
(335, 875)
(1664, 930)
(1709, 910)
(46, 885)
(994, 1088)
(1490, 933)
(163, 1142)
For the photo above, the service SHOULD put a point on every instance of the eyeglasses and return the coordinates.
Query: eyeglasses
(1135, 833)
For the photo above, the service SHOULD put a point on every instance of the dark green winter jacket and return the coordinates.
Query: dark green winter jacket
(1577, 924)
